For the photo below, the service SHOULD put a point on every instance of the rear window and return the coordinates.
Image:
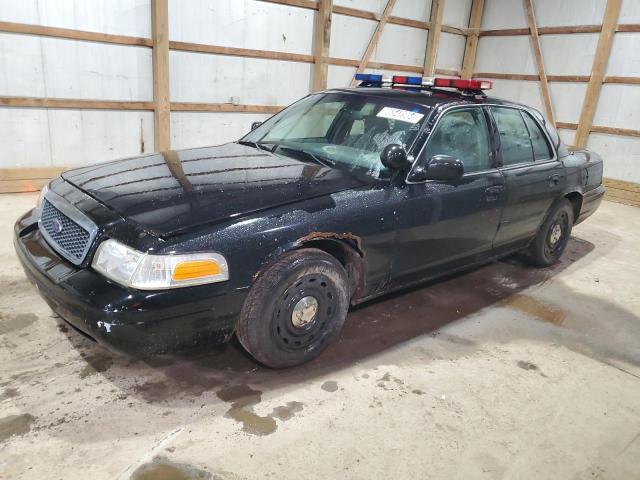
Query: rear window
(515, 143)
(522, 140)
(541, 149)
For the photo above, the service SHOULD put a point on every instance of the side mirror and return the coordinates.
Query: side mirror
(394, 157)
(444, 167)
(255, 125)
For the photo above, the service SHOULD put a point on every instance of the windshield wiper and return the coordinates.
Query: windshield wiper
(256, 145)
(324, 161)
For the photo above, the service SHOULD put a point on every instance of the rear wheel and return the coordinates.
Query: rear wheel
(552, 238)
(295, 309)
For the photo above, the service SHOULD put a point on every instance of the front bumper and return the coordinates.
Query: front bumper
(125, 320)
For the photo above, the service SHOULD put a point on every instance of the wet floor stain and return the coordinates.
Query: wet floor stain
(151, 391)
(535, 308)
(8, 393)
(329, 386)
(243, 399)
(252, 423)
(163, 469)
(97, 362)
(288, 411)
(16, 322)
(527, 365)
(15, 425)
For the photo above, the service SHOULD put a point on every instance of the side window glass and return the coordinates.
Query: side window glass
(515, 143)
(462, 134)
(541, 149)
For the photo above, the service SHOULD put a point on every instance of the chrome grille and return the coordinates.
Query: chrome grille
(65, 235)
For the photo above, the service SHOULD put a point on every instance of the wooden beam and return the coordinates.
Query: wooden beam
(161, 102)
(321, 44)
(475, 21)
(70, 34)
(559, 30)
(308, 4)
(454, 30)
(23, 180)
(564, 30)
(431, 54)
(624, 132)
(598, 70)
(557, 78)
(223, 107)
(407, 22)
(368, 53)
(625, 80)
(73, 103)
(621, 191)
(347, 62)
(240, 52)
(25, 173)
(447, 71)
(537, 53)
(568, 78)
(506, 76)
(628, 27)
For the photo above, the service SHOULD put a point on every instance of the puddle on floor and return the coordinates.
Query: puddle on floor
(163, 469)
(244, 398)
(15, 425)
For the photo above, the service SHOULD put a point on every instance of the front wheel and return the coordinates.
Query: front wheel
(294, 309)
(553, 236)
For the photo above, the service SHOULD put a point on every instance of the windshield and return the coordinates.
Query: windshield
(342, 130)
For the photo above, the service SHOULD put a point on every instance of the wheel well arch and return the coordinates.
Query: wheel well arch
(576, 202)
(344, 248)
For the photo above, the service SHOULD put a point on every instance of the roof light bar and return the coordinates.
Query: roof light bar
(370, 79)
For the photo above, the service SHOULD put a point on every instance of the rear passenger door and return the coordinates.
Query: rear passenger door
(534, 176)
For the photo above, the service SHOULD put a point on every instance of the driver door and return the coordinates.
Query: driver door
(444, 225)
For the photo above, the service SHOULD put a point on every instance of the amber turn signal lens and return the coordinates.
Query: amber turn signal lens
(195, 269)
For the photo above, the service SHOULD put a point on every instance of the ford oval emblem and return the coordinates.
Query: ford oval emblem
(56, 226)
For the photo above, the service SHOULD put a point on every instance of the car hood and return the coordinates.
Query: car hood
(171, 191)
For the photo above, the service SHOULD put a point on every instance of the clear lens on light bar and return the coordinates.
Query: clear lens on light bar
(144, 271)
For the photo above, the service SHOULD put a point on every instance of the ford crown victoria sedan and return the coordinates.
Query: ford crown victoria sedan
(344, 196)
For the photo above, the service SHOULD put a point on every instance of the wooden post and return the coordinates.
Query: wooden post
(374, 39)
(322, 41)
(609, 24)
(431, 55)
(475, 20)
(161, 102)
(537, 52)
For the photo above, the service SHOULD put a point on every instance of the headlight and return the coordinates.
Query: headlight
(144, 271)
(43, 192)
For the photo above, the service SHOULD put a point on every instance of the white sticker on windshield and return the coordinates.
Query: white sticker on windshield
(400, 115)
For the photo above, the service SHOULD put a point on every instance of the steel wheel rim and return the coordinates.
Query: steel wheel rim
(316, 297)
(557, 235)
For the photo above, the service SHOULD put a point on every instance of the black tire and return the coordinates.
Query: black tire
(552, 238)
(271, 331)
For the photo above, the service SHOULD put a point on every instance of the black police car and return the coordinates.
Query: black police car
(345, 195)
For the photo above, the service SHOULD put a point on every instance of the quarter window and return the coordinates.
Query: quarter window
(541, 149)
(462, 134)
(515, 143)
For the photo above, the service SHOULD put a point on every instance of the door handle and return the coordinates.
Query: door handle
(492, 193)
(554, 180)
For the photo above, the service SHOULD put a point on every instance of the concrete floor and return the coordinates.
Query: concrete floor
(503, 372)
